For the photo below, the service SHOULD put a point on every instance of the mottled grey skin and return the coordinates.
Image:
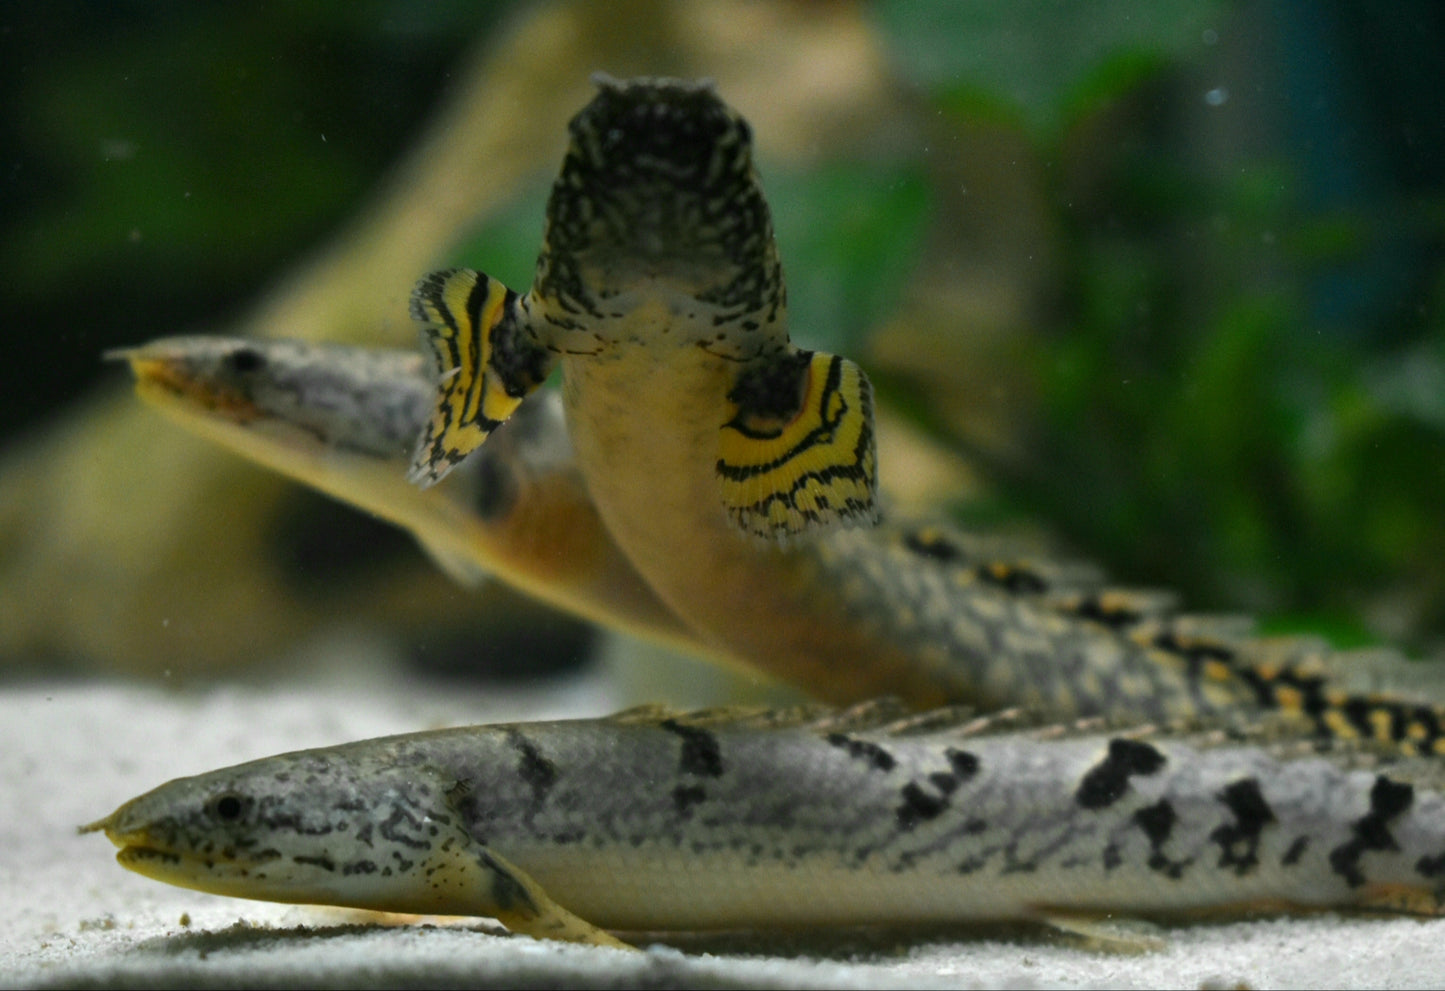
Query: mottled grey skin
(653, 822)
(368, 400)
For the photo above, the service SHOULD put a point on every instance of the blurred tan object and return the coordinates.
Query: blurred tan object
(126, 545)
(962, 335)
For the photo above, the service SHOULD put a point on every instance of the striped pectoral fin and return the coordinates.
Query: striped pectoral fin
(486, 360)
(799, 451)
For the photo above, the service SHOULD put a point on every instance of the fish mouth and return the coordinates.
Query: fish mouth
(173, 372)
(139, 851)
(134, 846)
(218, 872)
(655, 168)
(660, 129)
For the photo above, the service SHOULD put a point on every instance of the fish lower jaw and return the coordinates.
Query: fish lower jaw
(280, 879)
(193, 870)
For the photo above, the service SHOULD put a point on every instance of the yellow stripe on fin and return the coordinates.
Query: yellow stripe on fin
(486, 362)
(799, 452)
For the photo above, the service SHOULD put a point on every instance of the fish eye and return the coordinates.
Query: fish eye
(245, 361)
(227, 807)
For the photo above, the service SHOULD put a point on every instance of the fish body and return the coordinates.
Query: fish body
(652, 820)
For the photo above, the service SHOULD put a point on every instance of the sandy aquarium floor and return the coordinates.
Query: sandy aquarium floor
(69, 916)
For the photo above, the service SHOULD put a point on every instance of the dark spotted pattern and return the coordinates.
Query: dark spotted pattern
(921, 803)
(659, 171)
(1239, 841)
(1113, 616)
(1431, 867)
(401, 826)
(539, 773)
(864, 750)
(684, 797)
(1012, 577)
(932, 546)
(1157, 822)
(1105, 782)
(919, 806)
(770, 393)
(701, 754)
(1388, 799)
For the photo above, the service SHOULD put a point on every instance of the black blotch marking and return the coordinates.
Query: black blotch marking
(1388, 799)
(520, 362)
(936, 548)
(1105, 782)
(1157, 821)
(1112, 857)
(918, 805)
(771, 392)
(359, 867)
(946, 783)
(537, 771)
(1012, 578)
(1295, 852)
(1195, 652)
(701, 754)
(965, 765)
(864, 750)
(684, 797)
(1116, 618)
(1239, 840)
(1431, 867)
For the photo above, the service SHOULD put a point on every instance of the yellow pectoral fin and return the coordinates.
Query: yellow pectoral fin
(799, 451)
(486, 362)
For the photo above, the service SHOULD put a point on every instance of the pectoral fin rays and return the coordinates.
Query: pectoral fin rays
(486, 361)
(799, 451)
(522, 906)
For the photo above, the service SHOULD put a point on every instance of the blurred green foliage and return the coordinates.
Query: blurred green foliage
(165, 160)
(1242, 379)
(1037, 61)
